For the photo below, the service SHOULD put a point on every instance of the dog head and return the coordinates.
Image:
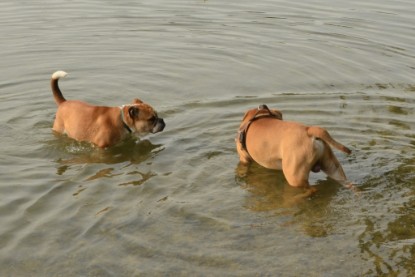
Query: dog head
(142, 118)
(250, 114)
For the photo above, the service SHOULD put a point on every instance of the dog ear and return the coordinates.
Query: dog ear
(249, 112)
(277, 113)
(133, 112)
(137, 101)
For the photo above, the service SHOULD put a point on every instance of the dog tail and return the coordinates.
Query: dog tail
(57, 94)
(324, 135)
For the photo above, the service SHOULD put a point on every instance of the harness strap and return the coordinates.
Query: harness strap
(258, 115)
(123, 120)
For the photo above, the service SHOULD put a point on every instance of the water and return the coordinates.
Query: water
(176, 203)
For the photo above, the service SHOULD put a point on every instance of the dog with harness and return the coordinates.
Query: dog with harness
(294, 148)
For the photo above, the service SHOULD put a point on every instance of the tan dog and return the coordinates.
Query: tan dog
(103, 126)
(295, 148)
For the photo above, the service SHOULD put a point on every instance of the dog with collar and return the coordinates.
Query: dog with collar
(101, 125)
(295, 148)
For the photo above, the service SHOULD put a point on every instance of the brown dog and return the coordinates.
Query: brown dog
(103, 126)
(295, 148)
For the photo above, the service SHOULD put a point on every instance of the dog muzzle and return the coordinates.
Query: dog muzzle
(158, 126)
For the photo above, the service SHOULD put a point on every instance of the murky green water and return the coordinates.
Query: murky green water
(177, 203)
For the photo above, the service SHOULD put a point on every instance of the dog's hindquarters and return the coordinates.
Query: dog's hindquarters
(57, 94)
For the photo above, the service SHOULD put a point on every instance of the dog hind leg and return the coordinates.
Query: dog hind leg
(332, 167)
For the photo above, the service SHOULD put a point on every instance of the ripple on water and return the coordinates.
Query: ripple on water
(175, 202)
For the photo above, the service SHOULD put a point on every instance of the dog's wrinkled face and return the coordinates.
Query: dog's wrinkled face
(144, 118)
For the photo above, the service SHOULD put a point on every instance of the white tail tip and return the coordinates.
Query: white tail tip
(59, 74)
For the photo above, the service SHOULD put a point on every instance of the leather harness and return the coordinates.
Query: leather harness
(263, 112)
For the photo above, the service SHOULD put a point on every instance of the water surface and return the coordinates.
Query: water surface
(177, 203)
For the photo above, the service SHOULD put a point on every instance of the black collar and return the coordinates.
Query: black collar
(123, 122)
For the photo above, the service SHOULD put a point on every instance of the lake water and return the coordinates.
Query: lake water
(176, 203)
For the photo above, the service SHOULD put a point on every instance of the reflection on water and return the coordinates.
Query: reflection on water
(123, 157)
(270, 192)
(130, 150)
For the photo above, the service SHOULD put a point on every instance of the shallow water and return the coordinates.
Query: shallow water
(177, 203)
